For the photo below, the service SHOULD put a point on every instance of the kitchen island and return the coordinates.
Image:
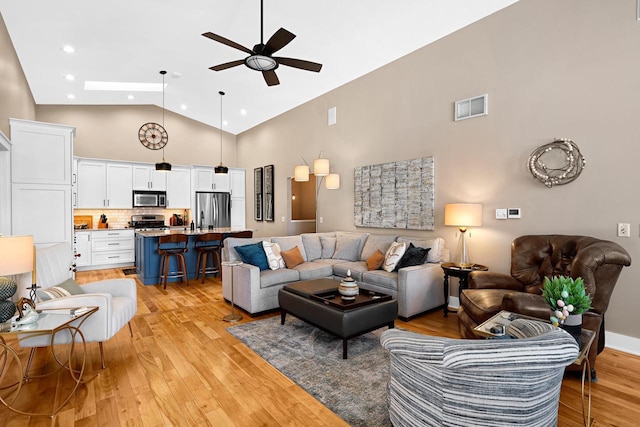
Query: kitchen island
(148, 259)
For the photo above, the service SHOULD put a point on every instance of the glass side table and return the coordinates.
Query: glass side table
(233, 317)
(50, 322)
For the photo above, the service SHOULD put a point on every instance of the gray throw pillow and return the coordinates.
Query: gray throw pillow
(328, 246)
(347, 248)
(64, 289)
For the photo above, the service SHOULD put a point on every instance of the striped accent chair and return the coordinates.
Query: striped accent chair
(438, 381)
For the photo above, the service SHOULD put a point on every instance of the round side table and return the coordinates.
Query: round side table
(455, 270)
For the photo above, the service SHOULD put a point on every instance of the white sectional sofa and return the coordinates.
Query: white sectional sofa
(417, 288)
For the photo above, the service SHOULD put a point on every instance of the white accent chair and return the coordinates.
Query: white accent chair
(116, 299)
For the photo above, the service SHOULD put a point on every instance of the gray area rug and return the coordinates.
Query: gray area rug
(354, 388)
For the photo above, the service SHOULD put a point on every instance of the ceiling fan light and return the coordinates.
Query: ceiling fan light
(163, 166)
(261, 63)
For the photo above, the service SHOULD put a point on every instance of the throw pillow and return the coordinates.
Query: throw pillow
(292, 257)
(375, 261)
(253, 254)
(393, 256)
(274, 258)
(413, 256)
(328, 246)
(67, 288)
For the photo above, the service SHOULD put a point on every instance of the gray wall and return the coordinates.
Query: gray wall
(551, 68)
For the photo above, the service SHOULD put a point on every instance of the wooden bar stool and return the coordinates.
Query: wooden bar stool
(173, 245)
(208, 244)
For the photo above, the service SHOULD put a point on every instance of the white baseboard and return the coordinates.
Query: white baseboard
(615, 341)
(623, 343)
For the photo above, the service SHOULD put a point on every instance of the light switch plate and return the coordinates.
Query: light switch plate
(501, 214)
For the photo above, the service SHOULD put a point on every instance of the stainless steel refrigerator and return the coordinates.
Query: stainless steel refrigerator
(213, 210)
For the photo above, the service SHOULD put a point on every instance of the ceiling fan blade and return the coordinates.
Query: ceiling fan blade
(228, 42)
(226, 65)
(278, 40)
(271, 78)
(299, 63)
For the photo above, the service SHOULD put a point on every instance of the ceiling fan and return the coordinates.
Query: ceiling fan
(260, 58)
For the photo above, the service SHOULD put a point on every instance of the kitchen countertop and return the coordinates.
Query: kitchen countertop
(187, 231)
(103, 229)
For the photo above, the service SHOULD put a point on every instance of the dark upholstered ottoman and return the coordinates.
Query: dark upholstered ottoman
(346, 323)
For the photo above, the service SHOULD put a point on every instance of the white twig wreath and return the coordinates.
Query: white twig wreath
(556, 163)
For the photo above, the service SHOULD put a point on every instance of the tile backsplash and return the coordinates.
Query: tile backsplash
(119, 218)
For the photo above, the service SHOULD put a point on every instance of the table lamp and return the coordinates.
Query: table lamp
(16, 257)
(463, 215)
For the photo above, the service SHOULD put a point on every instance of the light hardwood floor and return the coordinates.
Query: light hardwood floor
(182, 368)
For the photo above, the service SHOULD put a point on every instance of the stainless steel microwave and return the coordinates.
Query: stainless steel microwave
(149, 199)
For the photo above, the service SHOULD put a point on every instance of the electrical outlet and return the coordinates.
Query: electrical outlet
(624, 229)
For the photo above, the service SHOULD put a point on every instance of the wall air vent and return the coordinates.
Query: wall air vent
(472, 107)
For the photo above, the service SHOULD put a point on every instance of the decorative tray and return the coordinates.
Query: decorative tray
(334, 299)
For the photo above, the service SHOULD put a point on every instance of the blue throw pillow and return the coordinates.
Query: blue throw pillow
(253, 254)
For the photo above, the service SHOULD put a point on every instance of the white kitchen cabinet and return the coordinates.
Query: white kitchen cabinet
(179, 188)
(111, 248)
(146, 177)
(74, 183)
(204, 179)
(83, 248)
(41, 181)
(238, 203)
(104, 185)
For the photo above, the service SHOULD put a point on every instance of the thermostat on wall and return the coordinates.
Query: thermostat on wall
(513, 213)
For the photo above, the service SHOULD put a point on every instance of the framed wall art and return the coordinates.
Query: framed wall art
(257, 190)
(268, 193)
(395, 195)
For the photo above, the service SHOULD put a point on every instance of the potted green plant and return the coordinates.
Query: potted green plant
(568, 300)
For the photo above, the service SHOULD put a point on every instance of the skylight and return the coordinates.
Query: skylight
(123, 86)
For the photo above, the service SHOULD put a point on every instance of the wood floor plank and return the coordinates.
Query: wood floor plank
(182, 368)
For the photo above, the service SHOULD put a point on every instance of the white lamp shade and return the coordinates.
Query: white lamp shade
(463, 214)
(332, 181)
(321, 167)
(301, 173)
(16, 255)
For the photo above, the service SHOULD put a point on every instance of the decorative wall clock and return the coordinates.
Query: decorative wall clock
(153, 136)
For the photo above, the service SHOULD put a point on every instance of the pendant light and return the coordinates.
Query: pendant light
(221, 169)
(163, 166)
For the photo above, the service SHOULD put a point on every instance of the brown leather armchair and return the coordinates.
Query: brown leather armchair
(598, 262)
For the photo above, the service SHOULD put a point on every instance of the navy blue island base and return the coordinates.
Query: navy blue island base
(148, 259)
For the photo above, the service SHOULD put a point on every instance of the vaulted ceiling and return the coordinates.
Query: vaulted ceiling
(131, 41)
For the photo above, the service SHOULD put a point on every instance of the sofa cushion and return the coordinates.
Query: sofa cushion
(253, 254)
(356, 267)
(328, 246)
(274, 258)
(413, 256)
(349, 245)
(384, 279)
(375, 261)
(292, 257)
(270, 278)
(376, 242)
(64, 289)
(436, 245)
(313, 270)
(393, 256)
(289, 242)
(313, 245)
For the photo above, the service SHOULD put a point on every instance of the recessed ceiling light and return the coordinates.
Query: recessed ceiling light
(224, 122)
(124, 86)
(71, 96)
(69, 77)
(243, 112)
(183, 107)
(130, 97)
(68, 49)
